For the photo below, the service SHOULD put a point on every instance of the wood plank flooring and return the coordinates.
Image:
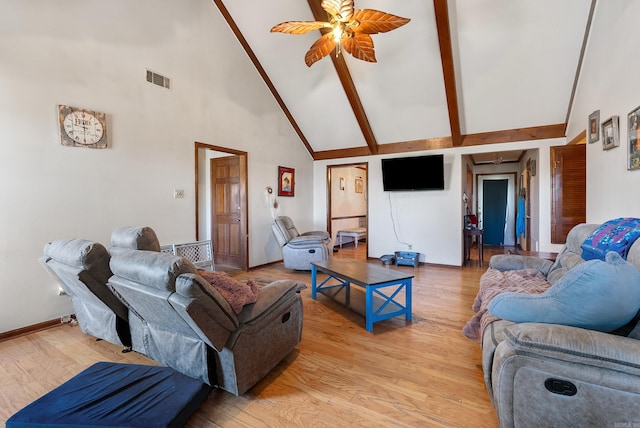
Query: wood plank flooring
(423, 373)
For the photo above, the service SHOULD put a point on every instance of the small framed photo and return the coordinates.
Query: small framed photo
(286, 181)
(610, 133)
(594, 126)
(359, 185)
(633, 137)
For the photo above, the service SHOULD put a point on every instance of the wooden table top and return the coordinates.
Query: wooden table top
(361, 273)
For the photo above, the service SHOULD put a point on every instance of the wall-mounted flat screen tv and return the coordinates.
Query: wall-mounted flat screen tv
(413, 173)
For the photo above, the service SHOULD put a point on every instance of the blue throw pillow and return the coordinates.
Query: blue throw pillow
(596, 295)
(614, 235)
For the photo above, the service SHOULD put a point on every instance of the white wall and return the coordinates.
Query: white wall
(204, 190)
(86, 60)
(431, 220)
(609, 83)
(347, 202)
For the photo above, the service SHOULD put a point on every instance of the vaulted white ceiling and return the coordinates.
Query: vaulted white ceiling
(461, 72)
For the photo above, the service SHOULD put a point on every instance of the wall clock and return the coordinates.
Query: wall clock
(82, 128)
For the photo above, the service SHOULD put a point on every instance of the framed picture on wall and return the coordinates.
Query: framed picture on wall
(633, 138)
(610, 133)
(594, 126)
(359, 185)
(286, 181)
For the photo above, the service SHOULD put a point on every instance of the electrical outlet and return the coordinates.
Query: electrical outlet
(178, 194)
(65, 319)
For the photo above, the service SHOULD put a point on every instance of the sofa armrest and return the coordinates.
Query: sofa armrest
(204, 309)
(321, 234)
(306, 241)
(504, 262)
(269, 298)
(576, 345)
(553, 375)
(493, 335)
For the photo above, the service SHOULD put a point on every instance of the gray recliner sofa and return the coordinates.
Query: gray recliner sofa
(300, 250)
(82, 270)
(546, 374)
(184, 323)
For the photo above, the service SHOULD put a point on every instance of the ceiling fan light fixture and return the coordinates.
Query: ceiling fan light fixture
(347, 28)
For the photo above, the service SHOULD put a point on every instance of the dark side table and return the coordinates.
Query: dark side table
(468, 235)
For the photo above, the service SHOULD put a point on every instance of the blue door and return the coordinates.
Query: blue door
(494, 201)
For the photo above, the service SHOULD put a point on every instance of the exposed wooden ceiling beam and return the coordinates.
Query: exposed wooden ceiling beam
(581, 138)
(372, 148)
(446, 55)
(348, 85)
(583, 48)
(513, 135)
(234, 27)
(342, 153)
(506, 136)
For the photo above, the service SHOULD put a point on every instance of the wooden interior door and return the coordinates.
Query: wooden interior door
(229, 211)
(568, 189)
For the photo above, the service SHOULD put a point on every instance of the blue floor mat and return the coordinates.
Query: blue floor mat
(116, 395)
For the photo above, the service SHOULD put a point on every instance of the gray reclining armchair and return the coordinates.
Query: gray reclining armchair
(82, 270)
(300, 250)
(183, 322)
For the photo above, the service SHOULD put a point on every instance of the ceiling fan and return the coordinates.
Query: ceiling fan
(346, 28)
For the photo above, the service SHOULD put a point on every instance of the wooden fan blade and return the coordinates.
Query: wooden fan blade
(374, 21)
(299, 27)
(360, 46)
(339, 9)
(321, 48)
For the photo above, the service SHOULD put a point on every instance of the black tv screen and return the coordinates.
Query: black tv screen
(413, 173)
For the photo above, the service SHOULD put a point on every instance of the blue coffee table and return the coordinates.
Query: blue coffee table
(375, 296)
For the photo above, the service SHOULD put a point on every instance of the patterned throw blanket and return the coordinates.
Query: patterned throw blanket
(494, 282)
(235, 292)
(614, 235)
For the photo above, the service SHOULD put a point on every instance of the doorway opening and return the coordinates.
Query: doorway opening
(497, 208)
(221, 204)
(521, 214)
(348, 208)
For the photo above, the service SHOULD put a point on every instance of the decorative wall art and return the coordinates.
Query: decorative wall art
(594, 126)
(359, 185)
(286, 181)
(610, 133)
(633, 138)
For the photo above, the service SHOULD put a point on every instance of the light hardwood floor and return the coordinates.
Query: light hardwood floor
(423, 373)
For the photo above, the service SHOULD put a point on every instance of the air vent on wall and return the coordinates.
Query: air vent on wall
(158, 79)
